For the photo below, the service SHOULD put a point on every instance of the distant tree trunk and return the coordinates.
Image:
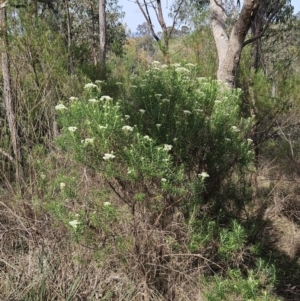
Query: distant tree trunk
(102, 37)
(69, 34)
(167, 32)
(230, 48)
(7, 96)
(95, 41)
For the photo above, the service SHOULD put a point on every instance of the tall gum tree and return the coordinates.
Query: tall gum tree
(256, 15)
(229, 48)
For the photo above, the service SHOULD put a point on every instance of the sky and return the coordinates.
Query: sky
(133, 16)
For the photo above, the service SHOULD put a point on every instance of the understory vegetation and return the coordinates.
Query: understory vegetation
(154, 183)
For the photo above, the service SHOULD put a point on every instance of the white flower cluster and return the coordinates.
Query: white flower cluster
(93, 100)
(72, 128)
(108, 156)
(167, 147)
(147, 138)
(203, 175)
(90, 86)
(60, 107)
(88, 140)
(74, 223)
(73, 98)
(105, 97)
(235, 129)
(127, 128)
(181, 70)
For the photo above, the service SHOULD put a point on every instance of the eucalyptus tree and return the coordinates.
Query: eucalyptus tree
(231, 37)
(146, 6)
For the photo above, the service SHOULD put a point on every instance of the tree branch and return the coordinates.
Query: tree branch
(251, 40)
(148, 18)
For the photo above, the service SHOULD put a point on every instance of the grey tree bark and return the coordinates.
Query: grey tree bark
(8, 97)
(102, 36)
(69, 34)
(229, 48)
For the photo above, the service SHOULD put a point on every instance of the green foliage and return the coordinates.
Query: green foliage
(232, 241)
(202, 123)
(256, 285)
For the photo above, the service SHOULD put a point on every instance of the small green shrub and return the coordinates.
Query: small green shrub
(256, 285)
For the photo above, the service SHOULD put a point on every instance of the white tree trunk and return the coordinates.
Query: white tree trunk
(230, 48)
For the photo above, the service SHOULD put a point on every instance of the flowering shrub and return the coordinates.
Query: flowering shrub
(199, 118)
(175, 143)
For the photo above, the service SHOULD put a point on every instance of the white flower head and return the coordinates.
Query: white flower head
(74, 223)
(190, 65)
(218, 101)
(175, 65)
(164, 180)
(107, 204)
(127, 128)
(119, 83)
(133, 86)
(93, 100)
(108, 156)
(155, 63)
(235, 129)
(90, 86)
(164, 66)
(147, 138)
(182, 70)
(72, 128)
(130, 171)
(158, 125)
(167, 147)
(60, 107)
(203, 175)
(105, 97)
(99, 81)
(158, 95)
(187, 112)
(73, 98)
(250, 140)
(127, 116)
(102, 127)
(88, 140)
(142, 111)
(62, 185)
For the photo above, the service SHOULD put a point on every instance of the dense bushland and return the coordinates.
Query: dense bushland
(158, 183)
